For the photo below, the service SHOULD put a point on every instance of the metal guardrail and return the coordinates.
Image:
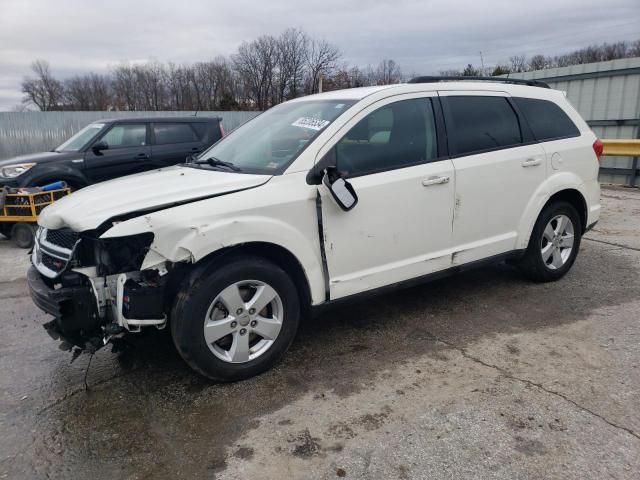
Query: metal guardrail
(623, 148)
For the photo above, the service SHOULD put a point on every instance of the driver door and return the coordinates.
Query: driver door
(401, 226)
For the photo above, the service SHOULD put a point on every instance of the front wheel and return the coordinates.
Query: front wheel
(235, 320)
(554, 243)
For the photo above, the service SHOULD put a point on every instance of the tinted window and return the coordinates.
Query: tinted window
(207, 132)
(476, 124)
(546, 119)
(394, 136)
(129, 135)
(173, 133)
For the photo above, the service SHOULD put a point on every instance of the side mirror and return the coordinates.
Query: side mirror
(342, 191)
(315, 175)
(98, 147)
(190, 159)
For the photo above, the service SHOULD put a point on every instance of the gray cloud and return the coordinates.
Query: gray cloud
(423, 36)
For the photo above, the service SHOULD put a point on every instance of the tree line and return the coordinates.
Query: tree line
(520, 63)
(262, 73)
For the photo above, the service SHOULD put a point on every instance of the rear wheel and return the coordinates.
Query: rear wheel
(23, 234)
(554, 243)
(235, 320)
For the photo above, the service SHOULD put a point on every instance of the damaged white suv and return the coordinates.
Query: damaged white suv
(319, 199)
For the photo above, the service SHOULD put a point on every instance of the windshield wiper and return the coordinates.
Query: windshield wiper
(215, 162)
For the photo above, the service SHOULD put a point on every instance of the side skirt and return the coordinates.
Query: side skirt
(513, 255)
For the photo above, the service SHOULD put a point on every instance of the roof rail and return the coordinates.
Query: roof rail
(516, 81)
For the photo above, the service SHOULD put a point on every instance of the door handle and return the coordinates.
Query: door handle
(435, 181)
(531, 162)
(142, 156)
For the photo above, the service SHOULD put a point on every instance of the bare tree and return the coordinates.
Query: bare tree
(388, 72)
(518, 63)
(43, 90)
(125, 87)
(256, 63)
(322, 58)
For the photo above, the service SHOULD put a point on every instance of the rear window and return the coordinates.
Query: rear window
(174, 133)
(208, 132)
(479, 124)
(546, 119)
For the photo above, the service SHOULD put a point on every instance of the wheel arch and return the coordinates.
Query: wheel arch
(269, 251)
(56, 173)
(566, 187)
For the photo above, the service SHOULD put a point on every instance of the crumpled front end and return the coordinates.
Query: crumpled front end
(95, 288)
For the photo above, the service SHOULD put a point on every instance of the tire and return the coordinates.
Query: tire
(548, 257)
(23, 234)
(206, 297)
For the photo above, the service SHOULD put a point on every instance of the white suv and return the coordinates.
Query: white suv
(318, 199)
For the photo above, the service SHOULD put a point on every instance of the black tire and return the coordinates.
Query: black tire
(196, 295)
(23, 234)
(532, 264)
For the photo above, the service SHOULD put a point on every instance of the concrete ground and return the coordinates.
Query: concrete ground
(483, 375)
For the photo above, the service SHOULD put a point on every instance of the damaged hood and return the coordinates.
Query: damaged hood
(88, 208)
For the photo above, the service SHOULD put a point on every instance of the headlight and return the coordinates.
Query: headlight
(12, 171)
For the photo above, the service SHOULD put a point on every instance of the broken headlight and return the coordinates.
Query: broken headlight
(115, 255)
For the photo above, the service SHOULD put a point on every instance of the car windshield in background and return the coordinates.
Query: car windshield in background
(269, 143)
(81, 138)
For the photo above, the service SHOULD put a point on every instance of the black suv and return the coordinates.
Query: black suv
(113, 148)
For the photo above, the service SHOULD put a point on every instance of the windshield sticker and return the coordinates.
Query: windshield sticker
(272, 165)
(339, 106)
(311, 123)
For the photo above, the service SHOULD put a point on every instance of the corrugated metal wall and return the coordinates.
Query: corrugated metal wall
(30, 132)
(607, 95)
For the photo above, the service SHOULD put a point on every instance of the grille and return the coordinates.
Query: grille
(52, 263)
(64, 238)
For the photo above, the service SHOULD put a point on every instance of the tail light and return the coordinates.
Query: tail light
(598, 148)
(222, 132)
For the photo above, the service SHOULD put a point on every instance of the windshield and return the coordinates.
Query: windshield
(81, 138)
(270, 142)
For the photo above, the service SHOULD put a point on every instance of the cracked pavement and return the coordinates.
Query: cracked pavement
(482, 375)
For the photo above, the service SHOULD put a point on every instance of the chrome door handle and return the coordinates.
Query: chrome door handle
(531, 162)
(435, 181)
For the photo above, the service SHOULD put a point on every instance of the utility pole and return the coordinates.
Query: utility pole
(320, 84)
(482, 62)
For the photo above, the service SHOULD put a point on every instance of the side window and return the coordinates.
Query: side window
(546, 119)
(173, 133)
(476, 124)
(394, 136)
(126, 135)
(207, 132)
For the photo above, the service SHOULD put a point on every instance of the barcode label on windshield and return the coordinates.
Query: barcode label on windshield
(310, 123)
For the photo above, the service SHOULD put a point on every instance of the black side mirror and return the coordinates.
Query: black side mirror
(342, 191)
(315, 175)
(98, 147)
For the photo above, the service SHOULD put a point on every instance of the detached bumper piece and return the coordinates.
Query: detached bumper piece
(72, 304)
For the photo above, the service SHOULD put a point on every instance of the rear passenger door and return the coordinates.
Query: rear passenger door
(498, 168)
(173, 142)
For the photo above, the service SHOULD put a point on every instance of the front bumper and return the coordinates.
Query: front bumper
(72, 304)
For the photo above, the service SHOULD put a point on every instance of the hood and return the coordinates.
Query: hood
(41, 157)
(90, 207)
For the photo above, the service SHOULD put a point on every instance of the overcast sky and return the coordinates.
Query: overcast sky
(423, 36)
